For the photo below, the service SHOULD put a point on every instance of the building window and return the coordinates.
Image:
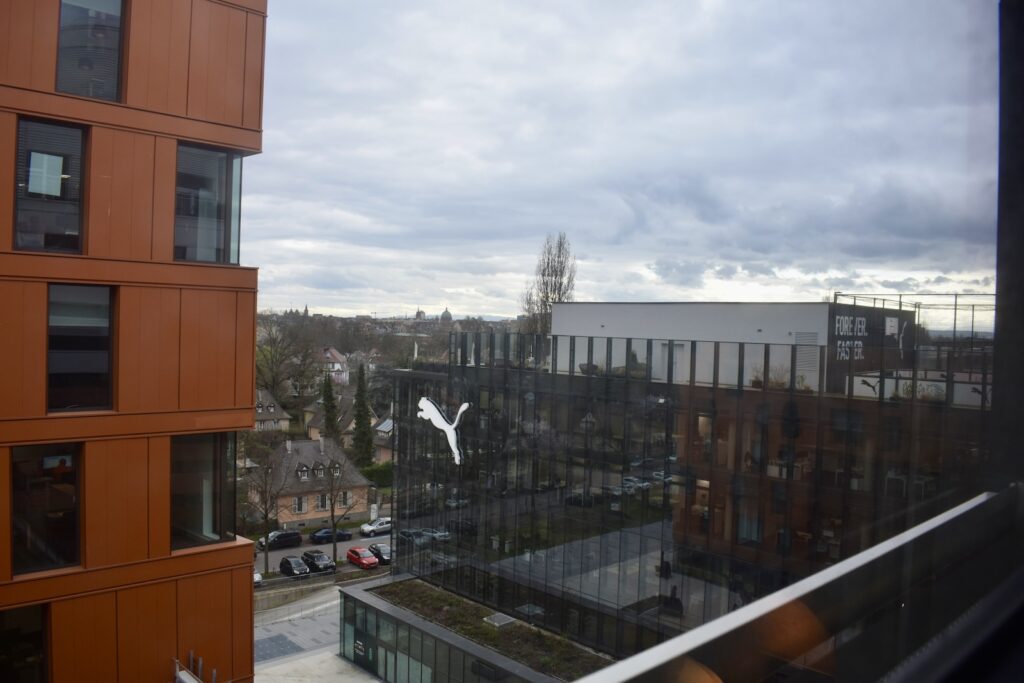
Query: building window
(48, 187)
(320, 472)
(23, 648)
(299, 504)
(44, 507)
(303, 473)
(89, 48)
(202, 489)
(206, 207)
(345, 500)
(78, 358)
(321, 502)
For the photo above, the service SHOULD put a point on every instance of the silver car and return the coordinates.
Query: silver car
(381, 525)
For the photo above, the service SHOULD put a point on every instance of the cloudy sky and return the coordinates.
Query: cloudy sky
(416, 154)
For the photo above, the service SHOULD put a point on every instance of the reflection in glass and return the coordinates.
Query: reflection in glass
(44, 507)
(206, 207)
(89, 48)
(48, 180)
(23, 646)
(78, 361)
(202, 489)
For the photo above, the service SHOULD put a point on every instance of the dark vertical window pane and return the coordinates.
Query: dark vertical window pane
(78, 360)
(23, 646)
(48, 187)
(202, 489)
(89, 48)
(207, 204)
(44, 507)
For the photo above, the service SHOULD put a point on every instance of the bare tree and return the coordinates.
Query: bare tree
(264, 484)
(340, 478)
(554, 281)
(274, 351)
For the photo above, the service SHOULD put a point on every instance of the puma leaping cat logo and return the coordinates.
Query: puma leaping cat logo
(430, 411)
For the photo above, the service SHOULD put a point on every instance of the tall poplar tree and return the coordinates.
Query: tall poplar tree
(330, 406)
(362, 430)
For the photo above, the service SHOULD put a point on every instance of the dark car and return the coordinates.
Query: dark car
(281, 539)
(461, 526)
(361, 557)
(382, 551)
(293, 566)
(317, 561)
(324, 536)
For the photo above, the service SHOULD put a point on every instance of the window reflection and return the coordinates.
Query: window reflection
(45, 507)
(207, 205)
(202, 489)
(48, 179)
(89, 48)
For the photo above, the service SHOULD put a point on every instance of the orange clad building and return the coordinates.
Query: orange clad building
(127, 336)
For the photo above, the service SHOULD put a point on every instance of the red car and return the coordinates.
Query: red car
(361, 557)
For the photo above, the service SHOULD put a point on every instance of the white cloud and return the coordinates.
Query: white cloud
(418, 153)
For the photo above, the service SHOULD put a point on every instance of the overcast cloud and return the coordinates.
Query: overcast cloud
(416, 154)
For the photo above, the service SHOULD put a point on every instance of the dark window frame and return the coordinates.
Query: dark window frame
(120, 70)
(24, 151)
(111, 337)
(229, 210)
(40, 452)
(224, 476)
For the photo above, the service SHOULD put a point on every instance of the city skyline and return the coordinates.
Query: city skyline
(690, 152)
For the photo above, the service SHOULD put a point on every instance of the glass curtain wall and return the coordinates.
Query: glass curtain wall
(637, 491)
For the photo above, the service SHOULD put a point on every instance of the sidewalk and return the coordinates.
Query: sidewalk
(312, 667)
(298, 642)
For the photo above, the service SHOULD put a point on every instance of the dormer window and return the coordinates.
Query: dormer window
(259, 407)
(319, 472)
(303, 473)
(270, 408)
(336, 470)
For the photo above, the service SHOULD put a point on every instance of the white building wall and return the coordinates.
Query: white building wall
(762, 323)
(752, 323)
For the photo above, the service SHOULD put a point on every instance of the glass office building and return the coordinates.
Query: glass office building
(621, 491)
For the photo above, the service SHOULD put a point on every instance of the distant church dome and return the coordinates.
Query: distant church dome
(446, 317)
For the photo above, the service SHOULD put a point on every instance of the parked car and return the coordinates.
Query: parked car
(580, 499)
(436, 534)
(317, 561)
(324, 535)
(461, 526)
(281, 539)
(257, 579)
(631, 484)
(361, 557)
(381, 525)
(444, 560)
(382, 551)
(414, 536)
(293, 566)
(455, 503)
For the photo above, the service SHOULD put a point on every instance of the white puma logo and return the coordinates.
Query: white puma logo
(430, 411)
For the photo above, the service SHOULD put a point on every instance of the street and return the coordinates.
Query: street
(343, 546)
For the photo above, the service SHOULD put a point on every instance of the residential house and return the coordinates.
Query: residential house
(382, 433)
(308, 467)
(336, 365)
(269, 416)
